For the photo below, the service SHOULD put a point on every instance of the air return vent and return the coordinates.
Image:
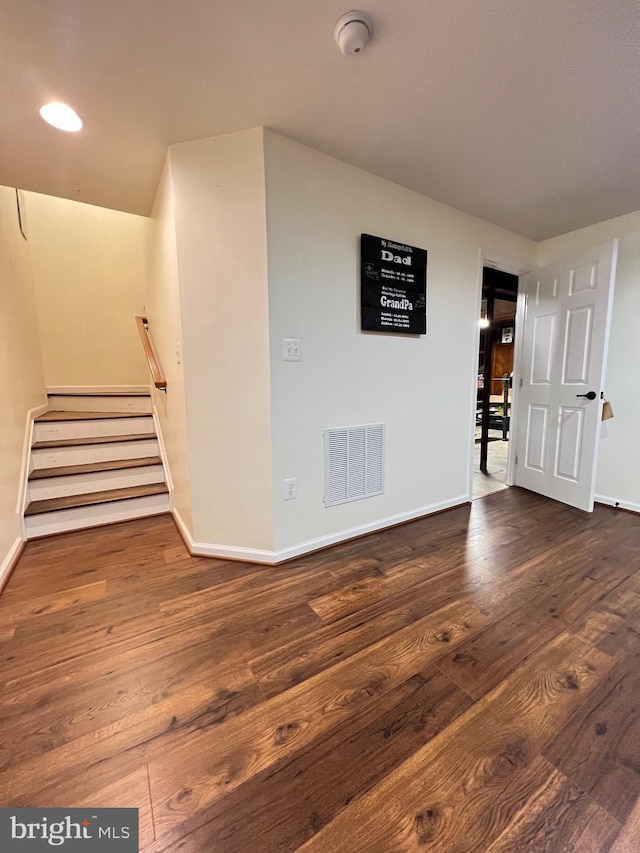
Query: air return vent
(353, 463)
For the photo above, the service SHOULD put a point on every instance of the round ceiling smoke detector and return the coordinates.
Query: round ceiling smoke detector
(353, 32)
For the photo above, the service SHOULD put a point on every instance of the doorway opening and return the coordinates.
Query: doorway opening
(495, 381)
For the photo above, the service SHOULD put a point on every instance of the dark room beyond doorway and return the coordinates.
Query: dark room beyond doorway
(494, 384)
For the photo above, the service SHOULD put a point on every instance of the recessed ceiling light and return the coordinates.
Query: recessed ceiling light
(61, 116)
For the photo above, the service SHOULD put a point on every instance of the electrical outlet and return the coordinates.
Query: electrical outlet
(291, 489)
(291, 349)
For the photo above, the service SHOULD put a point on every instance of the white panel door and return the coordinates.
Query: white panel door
(565, 340)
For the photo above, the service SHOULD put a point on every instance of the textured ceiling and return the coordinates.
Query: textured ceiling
(523, 112)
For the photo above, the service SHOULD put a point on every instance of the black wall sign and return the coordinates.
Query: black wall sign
(393, 286)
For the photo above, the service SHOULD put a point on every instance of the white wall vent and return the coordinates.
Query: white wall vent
(353, 463)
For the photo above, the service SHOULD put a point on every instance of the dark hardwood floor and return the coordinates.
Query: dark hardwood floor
(468, 682)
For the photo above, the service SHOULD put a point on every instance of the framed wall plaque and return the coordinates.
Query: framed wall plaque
(393, 286)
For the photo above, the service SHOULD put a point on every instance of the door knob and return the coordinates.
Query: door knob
(590, 395)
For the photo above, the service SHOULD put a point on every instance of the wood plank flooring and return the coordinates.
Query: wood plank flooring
(465, 683)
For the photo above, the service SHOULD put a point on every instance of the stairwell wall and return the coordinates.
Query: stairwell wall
(21, 372)
(162, 306)
(89, 267)
(220, 215)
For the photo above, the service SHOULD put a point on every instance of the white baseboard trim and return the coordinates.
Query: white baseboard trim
(183, 530)
(628, 505)
(98, 389)
(9, 562)
(32, 414)
(221, 552)
(271, 558)
(364, 529)
(163, 452)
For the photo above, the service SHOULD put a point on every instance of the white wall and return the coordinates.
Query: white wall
(89, 267)
(21, 376)
(618, 477)
(162, 305)
(422, 388)
(219, 197)
(266, 247)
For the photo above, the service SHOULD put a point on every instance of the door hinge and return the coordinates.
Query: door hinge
(516, 458)
(521, 382)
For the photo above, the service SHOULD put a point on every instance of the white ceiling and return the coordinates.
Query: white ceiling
(523, 112)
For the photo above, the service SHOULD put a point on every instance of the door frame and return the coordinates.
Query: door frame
(487, 258)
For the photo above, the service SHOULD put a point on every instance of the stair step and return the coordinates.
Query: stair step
(93, 467)
(92, 498)
(97, 439)
(57, 426)
(83, 517)
(86, 416)
(100, 403)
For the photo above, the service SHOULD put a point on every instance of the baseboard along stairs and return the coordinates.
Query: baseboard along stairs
(95, 459)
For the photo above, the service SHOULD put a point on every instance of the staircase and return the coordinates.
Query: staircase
(95, 459)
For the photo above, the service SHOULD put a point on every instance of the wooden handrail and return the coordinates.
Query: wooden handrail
(154, 366)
